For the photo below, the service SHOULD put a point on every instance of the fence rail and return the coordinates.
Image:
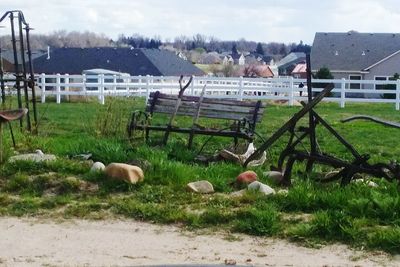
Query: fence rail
(287, 88)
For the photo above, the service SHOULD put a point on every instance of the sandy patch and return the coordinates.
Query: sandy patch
(37, 242)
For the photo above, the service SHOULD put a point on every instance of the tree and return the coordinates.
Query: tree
(234, 49)
(260, 49)
(323, 73)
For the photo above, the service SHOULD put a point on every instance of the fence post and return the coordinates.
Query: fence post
(291, 92)
(115, 84)
(343, 93)
(241, 87)
(147, 87)
(84, 83)
(43, 82)
(192, 85)
(101, 95)
(66, 85)
(58, 87)
(398, 95)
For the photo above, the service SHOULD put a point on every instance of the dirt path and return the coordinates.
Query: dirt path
(38, 242)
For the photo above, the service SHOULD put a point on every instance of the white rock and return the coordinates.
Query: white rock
(202, 187)
(263, 188)
(97, 167)
(366, 182)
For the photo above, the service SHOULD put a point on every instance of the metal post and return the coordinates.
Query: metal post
(343, 93)
(32, 75)
(2, 85)
(24, 75)
(313, 141)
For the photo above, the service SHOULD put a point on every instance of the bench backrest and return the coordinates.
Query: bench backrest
(210, 107)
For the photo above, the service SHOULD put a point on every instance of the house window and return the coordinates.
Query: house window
(355, 85)
(380, 86)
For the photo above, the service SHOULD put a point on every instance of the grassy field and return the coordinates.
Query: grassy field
(310, 213)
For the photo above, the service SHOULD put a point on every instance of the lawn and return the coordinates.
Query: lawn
(310, 213)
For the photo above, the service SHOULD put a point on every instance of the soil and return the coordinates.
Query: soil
(45, 242)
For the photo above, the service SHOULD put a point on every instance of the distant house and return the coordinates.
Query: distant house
(257, 71)
(122, 60)
(300, 71)
(287, 64)
(357, 56)
(255, 58)
(227, 59)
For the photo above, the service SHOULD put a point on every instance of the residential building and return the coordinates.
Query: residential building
(287, 64)
(122, 60)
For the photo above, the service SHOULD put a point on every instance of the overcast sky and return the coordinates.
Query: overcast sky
(257, 20)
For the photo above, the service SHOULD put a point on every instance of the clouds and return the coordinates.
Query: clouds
(258, 20)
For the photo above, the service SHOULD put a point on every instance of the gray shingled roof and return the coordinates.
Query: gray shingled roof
(292, 58)
(133, 61)
(352, 51)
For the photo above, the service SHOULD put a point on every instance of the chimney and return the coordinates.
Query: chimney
(48, 52)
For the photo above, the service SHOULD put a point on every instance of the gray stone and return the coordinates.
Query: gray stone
(97, 167)
(39, 156)
(275, 176)
(260, 187)
(238, 193)
(202, 187)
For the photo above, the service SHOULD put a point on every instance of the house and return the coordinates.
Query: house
(357, 56)
(300, 71)
(122, 60)
(287, 64)
(227, 60)
(257, 71)
(238, 59)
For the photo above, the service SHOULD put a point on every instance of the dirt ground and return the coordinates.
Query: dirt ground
(43, 242)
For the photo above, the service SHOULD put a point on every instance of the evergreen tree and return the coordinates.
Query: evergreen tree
(260, 49)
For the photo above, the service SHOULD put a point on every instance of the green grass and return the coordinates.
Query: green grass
(310, 213)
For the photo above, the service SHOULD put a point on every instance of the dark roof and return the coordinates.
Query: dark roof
(127, 60)
(9, 55)
(352, 51)
(291, 59)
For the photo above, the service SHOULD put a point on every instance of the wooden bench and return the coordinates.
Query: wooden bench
(244, 114)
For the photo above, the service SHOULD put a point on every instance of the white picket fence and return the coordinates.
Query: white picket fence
(239, 88)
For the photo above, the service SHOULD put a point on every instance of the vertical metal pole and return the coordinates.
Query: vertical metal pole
(16, 67)
(23, 68)
(32, 76)
(313, 141)
(2, 85)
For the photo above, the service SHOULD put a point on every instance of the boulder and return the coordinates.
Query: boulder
(246, 178)
(202, 187)
(38, 156)
(121, 171)
(97, 167)
(263, 188)
(274, 176)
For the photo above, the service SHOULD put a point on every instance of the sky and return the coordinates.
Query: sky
(254, 20)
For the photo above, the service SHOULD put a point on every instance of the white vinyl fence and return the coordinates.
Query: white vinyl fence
(240, 88)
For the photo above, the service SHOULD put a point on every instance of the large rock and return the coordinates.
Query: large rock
(202, 187)
(260, 187)
(274, 176)
(38, 156)
(246, 178)
(121, 171)
(97, 167)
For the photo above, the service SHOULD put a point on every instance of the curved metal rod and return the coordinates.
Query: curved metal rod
(19, 13)
(377, 120)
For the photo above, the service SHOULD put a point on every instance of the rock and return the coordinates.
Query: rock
(121, 171)
(238, 193)
(263, 188)
(202, 187)
(39, 156)
(275, 176)
(366, 182)
(230, 262)
(97, 167)
(246, 178)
